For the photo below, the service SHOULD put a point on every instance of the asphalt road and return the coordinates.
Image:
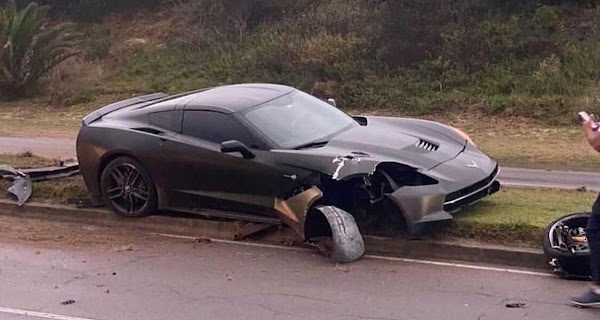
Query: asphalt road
(41, 146)
(514, 177)
(164, 278)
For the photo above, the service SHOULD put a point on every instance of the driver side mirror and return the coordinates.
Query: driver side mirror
(236, 146)
(331, 101)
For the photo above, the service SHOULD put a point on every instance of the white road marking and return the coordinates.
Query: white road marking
(369, 256)
(461, 265)
(39, 314)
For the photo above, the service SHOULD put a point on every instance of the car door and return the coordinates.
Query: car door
(203, 176)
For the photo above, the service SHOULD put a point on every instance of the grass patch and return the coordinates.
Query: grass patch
(518, 215)
(527, 144)
(54, 191)
(25, 160)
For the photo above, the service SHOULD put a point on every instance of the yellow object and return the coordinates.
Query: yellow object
(464, 135)
(579, 238)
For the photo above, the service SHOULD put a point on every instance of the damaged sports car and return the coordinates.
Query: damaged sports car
(273, 153)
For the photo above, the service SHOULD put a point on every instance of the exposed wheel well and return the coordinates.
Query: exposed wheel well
(316, 225)
(366, 197)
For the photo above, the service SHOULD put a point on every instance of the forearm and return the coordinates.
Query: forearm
(593, 138)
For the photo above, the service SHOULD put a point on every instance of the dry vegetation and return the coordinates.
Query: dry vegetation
(510, 74)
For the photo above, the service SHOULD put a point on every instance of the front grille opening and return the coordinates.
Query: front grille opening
(426, 145)
(472, 192)
(456, 206)
(472, 188)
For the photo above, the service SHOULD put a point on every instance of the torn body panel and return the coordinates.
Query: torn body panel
(21, 186)
(316, 223)
(293, 211)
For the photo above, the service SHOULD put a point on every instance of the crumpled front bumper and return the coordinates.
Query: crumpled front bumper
(21, 186)
(462, 181)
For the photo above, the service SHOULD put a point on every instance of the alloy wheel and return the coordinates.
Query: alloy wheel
(127, 190)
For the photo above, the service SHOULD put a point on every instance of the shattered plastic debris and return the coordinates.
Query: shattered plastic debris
(202, 240)
(341, 162)
(518, 304)
(342, 268)
(21, 186)
(128, 247)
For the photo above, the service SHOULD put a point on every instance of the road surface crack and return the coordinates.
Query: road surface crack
(295, 296)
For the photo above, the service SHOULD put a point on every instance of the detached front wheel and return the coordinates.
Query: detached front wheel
(128, 188)
(566, 246)
(334, 231)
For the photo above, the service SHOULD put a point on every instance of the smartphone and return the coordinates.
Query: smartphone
(584, 116)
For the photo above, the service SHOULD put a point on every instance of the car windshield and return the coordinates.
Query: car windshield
(298, 119)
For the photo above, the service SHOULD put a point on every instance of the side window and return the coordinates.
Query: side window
(216, 127)
(168, 120)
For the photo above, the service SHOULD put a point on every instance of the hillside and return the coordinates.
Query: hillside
(431, 57)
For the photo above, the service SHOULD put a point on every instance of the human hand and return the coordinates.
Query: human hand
(591, 125)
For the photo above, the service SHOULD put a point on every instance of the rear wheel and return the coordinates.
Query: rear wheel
(128, 188)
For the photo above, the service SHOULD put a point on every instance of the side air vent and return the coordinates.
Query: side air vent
(148, 130)
(426, 145)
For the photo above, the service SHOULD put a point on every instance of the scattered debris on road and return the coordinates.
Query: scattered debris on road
(67, 302)
(128, 247)
(202, 240)
(342, 268)
(518, 304)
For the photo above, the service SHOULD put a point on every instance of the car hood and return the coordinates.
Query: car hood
(416, 143)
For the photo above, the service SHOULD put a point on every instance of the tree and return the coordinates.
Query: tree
(29, 48)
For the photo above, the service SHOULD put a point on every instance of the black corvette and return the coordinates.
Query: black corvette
(273, 153)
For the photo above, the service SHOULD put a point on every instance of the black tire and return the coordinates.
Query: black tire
(336, 234)
(128, 188)
(567, 264)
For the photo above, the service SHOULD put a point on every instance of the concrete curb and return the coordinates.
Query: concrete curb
(199, 227)
(444, 250)
(192, 227)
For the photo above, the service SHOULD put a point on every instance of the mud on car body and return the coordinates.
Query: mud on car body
(274, 152)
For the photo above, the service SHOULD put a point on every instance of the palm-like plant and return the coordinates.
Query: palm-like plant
(29, 49)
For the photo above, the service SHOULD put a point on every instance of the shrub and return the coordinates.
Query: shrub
(98, 45)
(28, 48)
(547, 18)
(94, 10)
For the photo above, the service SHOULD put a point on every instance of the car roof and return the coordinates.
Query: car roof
(234, 98)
